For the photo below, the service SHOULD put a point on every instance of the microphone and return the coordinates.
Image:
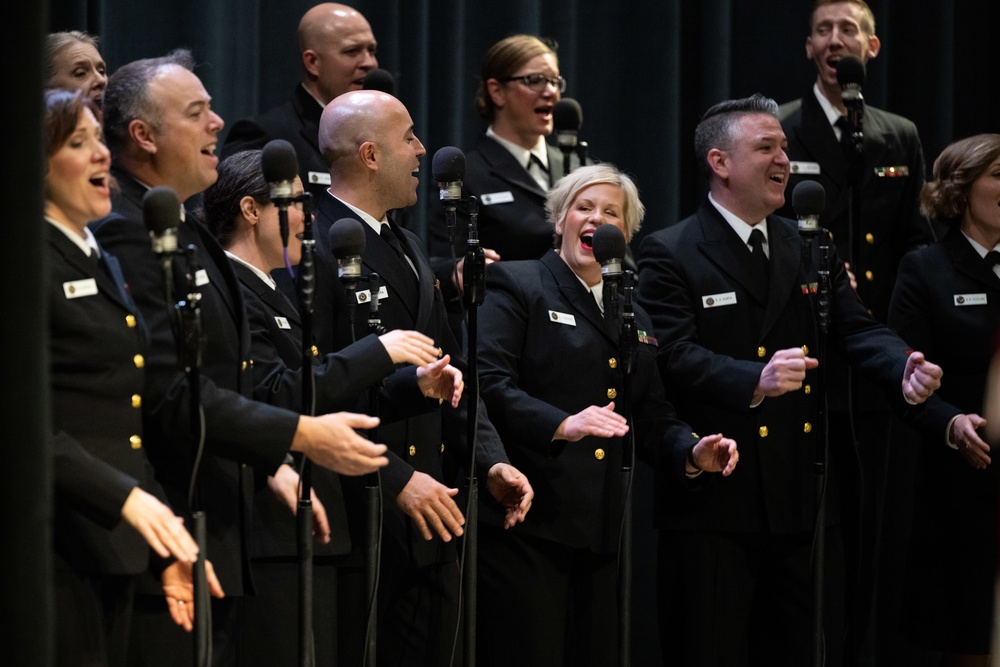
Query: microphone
(347, 241)
(280, 165)
(808, 201)
(851, 76)
(161, 212)
(448, 167)
(379, 79)
(609, 249)
(567, 118)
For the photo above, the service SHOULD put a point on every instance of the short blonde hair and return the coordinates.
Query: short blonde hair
(564, 192)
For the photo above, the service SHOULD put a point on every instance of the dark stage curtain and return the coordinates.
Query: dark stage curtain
(642, 70)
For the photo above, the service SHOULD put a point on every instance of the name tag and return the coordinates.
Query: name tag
(892, 172)
(970, 299)
(74, 289)
(319, 177)
(497, 198)
(201, 277)
(716, 300)
(562, 318)
(364, 296)
(282, 322)
(805, 168)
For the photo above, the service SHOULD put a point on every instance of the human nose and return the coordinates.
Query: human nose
(370, 61)
(101, 152)
(420, 148)
(216, 123)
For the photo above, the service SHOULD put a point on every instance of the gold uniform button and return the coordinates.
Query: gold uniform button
(869, 276)
(612, 363)
(869, 238)
(612, 392)
(762, 431)
(243, 366)
(138, 361)
(599, 454)
(243, 466)
(442, 448)
(136, 442)
(807, 427)
(130, 321)
(808, 389)
(136, 401)
(761, 351)
(805, 349)
(315, 351)
(413, 450)
(251, 363)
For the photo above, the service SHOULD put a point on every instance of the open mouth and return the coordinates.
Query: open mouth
(99, 181)
(209, 150)
(587, 240)
(544, 111)
(777, 178)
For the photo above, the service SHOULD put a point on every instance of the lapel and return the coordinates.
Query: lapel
(112, 287)
(310, 112)
(723, 247)
(274, 299)
(426, 280)
(785, 246)
(579, 298)
(504, 167)
(378, 256)
(967, 261)
(819, 142)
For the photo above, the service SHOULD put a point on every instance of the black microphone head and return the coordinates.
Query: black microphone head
(567, 115)
(379, 79)
(850, 70)
(278, 161)
(808, 199)
(448, 165)
(161, 209)
(347, 238)
(608, 244)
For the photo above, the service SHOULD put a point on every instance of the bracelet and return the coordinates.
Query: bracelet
(690, 460)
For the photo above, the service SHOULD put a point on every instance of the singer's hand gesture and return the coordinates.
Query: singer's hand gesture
(602, 422)
(284, 484)
(178, 587)
(920, 379)
(330, 441)
(511, 489)
(785, 372)
(430, 504)
(439, 379)
(163, 530)
(715, 453)
(409, 347)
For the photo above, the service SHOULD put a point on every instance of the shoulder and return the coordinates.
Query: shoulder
(790, 112)
(888, 121)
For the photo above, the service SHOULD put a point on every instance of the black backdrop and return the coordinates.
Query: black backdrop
(643, 71)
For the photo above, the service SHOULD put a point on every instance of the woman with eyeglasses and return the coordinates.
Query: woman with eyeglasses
(512, 166)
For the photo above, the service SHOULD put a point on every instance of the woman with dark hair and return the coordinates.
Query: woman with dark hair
(947, 304)
(73, 62)
(552, 383)
(239, 211)
(109, 509)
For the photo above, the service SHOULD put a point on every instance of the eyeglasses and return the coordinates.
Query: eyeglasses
(538, 81)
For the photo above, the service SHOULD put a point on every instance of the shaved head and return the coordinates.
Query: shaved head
(337, 48)
(367, 138)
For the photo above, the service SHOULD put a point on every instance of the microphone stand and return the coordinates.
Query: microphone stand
(822, 315)
(304, 516)
(373, 497)
(190, 350)
(628, 338)
(474, 283)
(581, 149)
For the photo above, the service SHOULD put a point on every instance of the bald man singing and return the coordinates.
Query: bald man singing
(337, 49)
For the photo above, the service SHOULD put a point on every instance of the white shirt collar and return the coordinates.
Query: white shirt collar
(832, 113)
(87, 245)
(980, 248)
(368, 219)
(520, 153)
(740, 226)
(268, 280)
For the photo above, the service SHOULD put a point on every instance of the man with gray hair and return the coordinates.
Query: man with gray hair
(732, 305)
(162, 132)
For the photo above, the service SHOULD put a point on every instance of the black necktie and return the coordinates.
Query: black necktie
(757, 253)
(992, 259)
(390, 237)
